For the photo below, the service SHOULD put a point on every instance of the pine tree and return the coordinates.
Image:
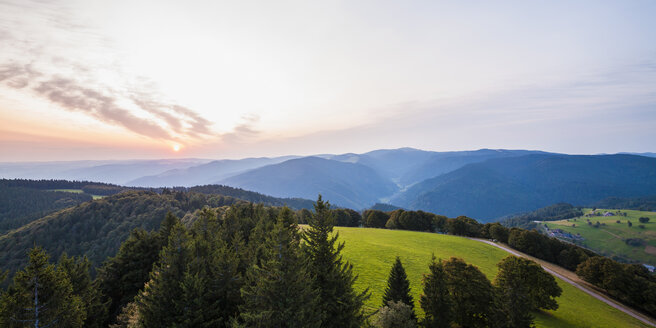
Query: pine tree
(121, 277)
(279, 292)
(158, 302)
(398, 286)
(77, 270)
(170, 221)
(436, 300)
(41, 296)
(333, 277)
(210, 286)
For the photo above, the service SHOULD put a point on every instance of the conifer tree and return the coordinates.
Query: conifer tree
(41, 296)
(210, 286)
(121, 277)
(436, 300)
(158, 306)
(398, 286)
(170, 221)
(77, 270)
(279, 291)
(341, 305)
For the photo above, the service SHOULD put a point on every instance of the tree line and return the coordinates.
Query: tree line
(108, 189)
(457, 293)
(631, 284)
(555, 212)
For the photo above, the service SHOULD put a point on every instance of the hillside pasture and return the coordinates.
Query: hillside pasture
(609, 238)
(77, 191)
(372, 253)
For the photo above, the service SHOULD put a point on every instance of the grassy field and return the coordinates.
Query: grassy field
(372, 252)
(77, 191)
(609, 239)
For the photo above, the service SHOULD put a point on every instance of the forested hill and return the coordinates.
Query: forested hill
(106, 189)
(497, 187)
(647, 203)
(97, 228)
(345, 184)
(561, 211)
(251, 196)
(19, 206)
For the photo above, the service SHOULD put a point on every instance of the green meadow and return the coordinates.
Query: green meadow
(372, 252)
(609, 237)
(77, 191)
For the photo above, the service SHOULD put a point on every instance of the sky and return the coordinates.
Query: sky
(88, 79)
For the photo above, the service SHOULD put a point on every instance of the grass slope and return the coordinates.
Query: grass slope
(78, 191)
(609, 239)
(372, 253)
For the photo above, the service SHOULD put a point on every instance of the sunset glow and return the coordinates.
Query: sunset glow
(231, 80)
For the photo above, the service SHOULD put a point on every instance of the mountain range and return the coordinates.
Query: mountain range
(485, 184)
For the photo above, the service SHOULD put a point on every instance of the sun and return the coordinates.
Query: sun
(176, 147)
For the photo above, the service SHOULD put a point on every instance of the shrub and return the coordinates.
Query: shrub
(634, 242)
(395, 314)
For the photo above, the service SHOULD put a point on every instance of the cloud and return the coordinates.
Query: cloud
(72, 96)
(169, 121)
(39, 60)
(244, 131)
(17, 76)
(180, 119)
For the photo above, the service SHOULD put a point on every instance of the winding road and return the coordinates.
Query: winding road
(552, 269)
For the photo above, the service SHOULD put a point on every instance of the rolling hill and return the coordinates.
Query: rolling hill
(498, 187)
(19, 205)
(372, 252)
(97, 228)
(344, 184)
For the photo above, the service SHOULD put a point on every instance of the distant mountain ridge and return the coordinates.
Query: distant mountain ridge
(404, 177)
(343, 184)
(498, 187)
(207, 173)
(116, 172)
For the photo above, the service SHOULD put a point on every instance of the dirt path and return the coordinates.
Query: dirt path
(572, 279)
